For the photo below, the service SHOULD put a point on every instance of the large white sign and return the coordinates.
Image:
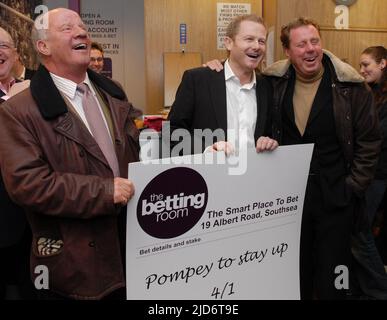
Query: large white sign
(226, 12)
(196, 232)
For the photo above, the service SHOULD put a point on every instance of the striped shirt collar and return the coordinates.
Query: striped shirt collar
(68, 87)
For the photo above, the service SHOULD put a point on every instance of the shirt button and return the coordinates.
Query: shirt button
(92, 244)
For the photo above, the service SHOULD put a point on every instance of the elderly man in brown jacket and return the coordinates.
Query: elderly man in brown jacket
(54, 165)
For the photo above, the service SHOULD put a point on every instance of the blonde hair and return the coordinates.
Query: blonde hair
(233, 28)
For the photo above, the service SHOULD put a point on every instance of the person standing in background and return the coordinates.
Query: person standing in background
(8, 56)
(15, 234)
(96, 57)
(97, 63)
(371, 277)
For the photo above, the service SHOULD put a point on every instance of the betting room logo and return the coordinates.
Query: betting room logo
(172, 203)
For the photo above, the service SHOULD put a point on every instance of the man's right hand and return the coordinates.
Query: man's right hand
(214, 65)
(224, 146)
(123, 191)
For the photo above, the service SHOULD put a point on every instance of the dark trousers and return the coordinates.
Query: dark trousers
(382, 239)
(371, 278)
(15, 269)
(325, 245)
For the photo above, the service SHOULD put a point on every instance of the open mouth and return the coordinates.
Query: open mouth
(2, 61)
(80, 46)
(253, 55)
(311, 59)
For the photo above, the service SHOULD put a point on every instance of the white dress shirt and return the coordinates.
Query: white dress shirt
(241, 109)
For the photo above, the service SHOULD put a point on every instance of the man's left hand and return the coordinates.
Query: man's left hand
(266, 144)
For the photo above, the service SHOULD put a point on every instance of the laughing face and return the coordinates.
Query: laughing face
(247, 48)
(371, 70)
(305, 50)
(66, 48)
(7, 56)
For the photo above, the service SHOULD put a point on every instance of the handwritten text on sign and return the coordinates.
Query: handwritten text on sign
(195, 232)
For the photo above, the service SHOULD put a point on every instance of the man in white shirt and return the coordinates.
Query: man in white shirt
(234, 100)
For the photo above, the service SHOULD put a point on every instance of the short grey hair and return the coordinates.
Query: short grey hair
(39, 29)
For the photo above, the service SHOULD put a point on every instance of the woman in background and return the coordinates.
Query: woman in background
(373, 68)
(370, 271)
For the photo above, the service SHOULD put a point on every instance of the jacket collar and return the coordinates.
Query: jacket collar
(344, 72)
(49, 100)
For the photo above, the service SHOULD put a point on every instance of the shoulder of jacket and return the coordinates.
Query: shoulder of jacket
(344, 71)
(200, 71)
(277, 69)
(22, 106)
